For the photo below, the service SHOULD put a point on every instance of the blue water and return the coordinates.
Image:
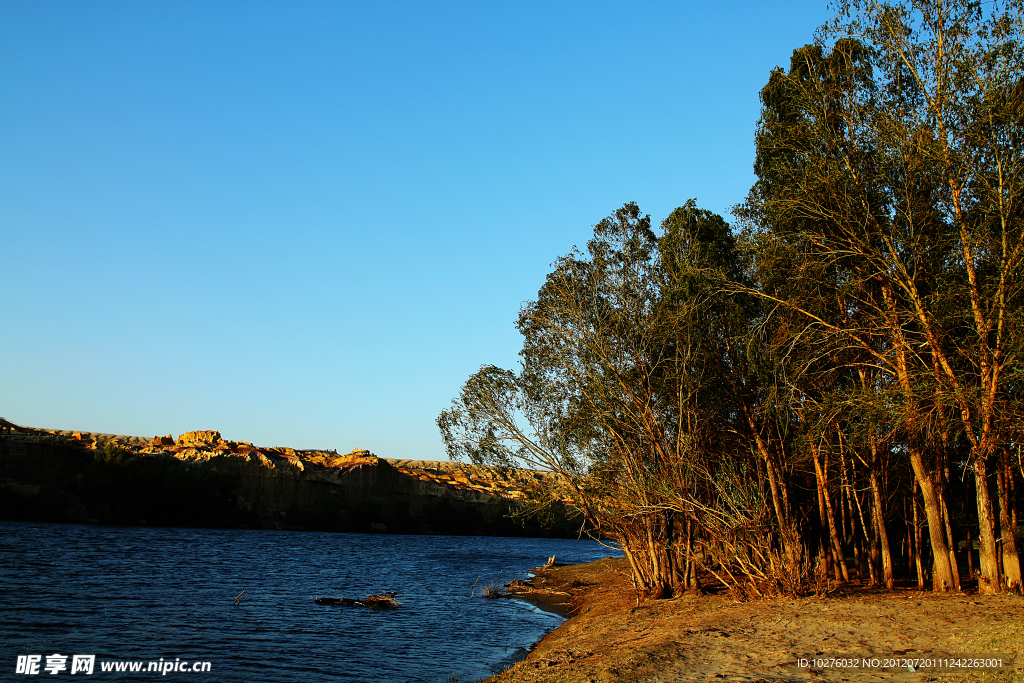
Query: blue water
(141, 593)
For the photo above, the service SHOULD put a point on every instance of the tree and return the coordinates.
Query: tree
(749, 403)
(634, 387)
(890, 153)
(586, 403)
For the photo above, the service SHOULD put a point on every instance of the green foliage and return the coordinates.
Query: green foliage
(113, 454)
(633, 384)
(772, 394)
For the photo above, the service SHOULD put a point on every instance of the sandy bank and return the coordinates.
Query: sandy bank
(715, 638)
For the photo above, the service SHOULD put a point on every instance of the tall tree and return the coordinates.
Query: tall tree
(586, 403)
(635, 386)
(891, 152)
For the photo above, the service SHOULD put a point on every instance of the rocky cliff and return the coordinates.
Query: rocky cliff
(201, 479)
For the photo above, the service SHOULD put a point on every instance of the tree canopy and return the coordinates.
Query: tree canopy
(802, 397)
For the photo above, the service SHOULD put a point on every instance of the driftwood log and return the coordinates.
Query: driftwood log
(381, 601)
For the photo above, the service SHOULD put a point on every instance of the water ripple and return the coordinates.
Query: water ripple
(147, 593)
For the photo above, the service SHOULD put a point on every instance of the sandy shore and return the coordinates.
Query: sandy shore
(716, 638)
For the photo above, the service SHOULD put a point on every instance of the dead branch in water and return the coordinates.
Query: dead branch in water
(380, 601)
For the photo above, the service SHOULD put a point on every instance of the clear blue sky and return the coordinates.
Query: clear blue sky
(307, 223)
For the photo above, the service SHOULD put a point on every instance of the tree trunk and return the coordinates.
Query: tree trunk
(970, 555)
(906, 547)
(1011, 559)
(786, 530)
(883, 535)
(989, 581)
(916, 552)
(638, 575)
(689, 571)
(942, 574)
(658, 586)
(842, 573)
(869, 553)
(944, 470)
(825, 544)
(949, 536)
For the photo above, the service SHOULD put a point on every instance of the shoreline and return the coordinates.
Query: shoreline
(607, 637)
(546, 603)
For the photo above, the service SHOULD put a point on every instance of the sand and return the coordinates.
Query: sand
(716, 638)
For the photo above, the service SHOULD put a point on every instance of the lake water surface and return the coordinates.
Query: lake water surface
(141, 593)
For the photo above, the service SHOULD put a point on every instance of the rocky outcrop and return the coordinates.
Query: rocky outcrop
(201, 439)
(240, 484)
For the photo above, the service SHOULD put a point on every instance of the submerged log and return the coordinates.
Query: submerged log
(382, 601)
(337, 601)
